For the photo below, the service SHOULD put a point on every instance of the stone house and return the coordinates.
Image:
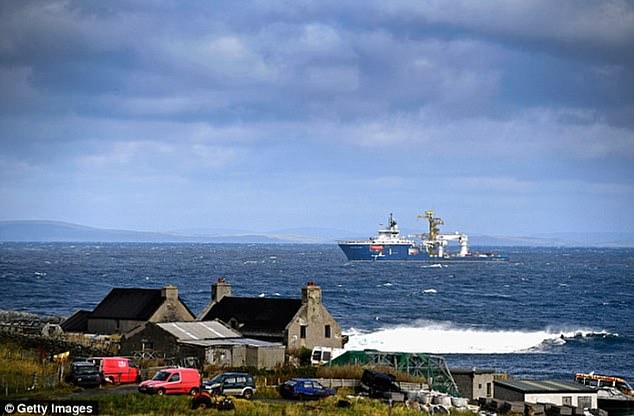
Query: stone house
(126, 308)
(210, 342)
(296, 323)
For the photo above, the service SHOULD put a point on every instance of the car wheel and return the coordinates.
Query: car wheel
(193, 391)
(300, 397)
(248, 393)
(160, 392)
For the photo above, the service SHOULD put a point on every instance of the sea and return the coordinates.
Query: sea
(546, 313)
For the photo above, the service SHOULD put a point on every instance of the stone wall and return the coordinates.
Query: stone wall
(314, 319)
(151, 339)
(172, 310)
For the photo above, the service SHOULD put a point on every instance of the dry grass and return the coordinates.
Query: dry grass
(17, 367)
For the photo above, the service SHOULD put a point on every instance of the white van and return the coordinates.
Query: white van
(322, 355)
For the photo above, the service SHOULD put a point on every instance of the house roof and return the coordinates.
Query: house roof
(129, 303)
(544, 386)
(255, 314)
(199, 330)
(77, 322)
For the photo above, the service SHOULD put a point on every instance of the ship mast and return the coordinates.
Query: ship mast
(433, 224)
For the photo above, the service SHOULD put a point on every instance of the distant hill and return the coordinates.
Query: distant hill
(50, 231)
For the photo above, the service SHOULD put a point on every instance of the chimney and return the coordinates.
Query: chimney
(220, 289)
(169, 292)
(311, 294)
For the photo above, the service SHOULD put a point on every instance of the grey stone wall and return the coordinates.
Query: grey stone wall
(172, 311)
(314, 317)
(159, 341)
(265, 357)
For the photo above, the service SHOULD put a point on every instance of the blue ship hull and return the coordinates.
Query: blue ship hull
(404, 252)
(382, 252)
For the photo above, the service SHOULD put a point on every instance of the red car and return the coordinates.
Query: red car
(173, 381)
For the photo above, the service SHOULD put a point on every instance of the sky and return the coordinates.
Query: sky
(504, 117)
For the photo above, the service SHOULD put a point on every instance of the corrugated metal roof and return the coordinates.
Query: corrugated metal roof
(544, 386)
(198, 330)
(233, 341)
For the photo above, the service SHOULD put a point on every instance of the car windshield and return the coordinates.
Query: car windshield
(84, 369)
(161, 376)
(215, 379)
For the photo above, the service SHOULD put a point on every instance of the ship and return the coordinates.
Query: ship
(389, 244)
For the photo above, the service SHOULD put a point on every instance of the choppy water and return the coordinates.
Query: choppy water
(510, 316)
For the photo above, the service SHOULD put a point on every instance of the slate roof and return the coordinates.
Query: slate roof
(129, 303)
(256, 314)
(544, 386)
(77, 322)
(198, 330)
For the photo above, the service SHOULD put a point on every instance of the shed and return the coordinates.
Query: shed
(474, 383)
(211, 342)
(239, 352)
(555, 392)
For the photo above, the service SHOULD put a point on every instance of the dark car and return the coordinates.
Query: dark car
(85, 374)
(379, 385)
(304, 389)
(231, 384)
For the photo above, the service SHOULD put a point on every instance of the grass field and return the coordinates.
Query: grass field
(18, 365)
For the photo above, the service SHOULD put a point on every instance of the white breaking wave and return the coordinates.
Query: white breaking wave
(447, 338)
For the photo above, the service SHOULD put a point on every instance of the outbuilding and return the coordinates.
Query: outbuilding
(210, 342)
(474, 383)
(560, 393)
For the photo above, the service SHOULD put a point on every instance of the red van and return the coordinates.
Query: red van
(173, 381)
(117, 369)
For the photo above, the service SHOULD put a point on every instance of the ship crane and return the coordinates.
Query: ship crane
(435, 242)
(462, 239)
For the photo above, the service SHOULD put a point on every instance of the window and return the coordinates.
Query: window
(566, 400)
(175, 377)
(584, 402)
(302, 331)
(489, 393)
(327, 331)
